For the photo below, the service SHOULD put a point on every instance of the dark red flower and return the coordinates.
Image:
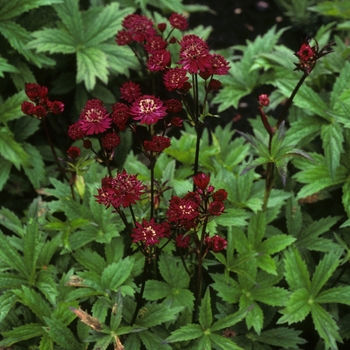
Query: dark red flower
(264, 100)
(149, 232)
(27, 107)
(148, 109)
(157, 144)
(218, 65)
(201, 180)
(161, 27)
(130, 91)
(173, 105)
(220, 195)
(306, 52)
(183, 241)
(123, 38)
(216, 243)
(175, 78)
(75, 132)
(140, 27)
(155, 43)
(178, 21)
(110, 140)
(39, 111)
(87, 144)
(216, 208)
(73, 152)
(56, 107)
(94, 118)
(35, 91)
(176, 121)
(214, 85)
(122, 190)
(159, 60)
(120, 115)
(194, 54)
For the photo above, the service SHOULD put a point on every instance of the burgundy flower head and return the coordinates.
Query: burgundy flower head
(130, 91)
(120, 115)
(216, 243)
(122, 190)
(149, 232)
(157, 144)
(73, 152)
(175, 79)
(178, 21)
(94, 118)
(148, 109)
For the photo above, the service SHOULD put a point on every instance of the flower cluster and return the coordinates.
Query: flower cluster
(149, 232)
(40, 105)
(308, 56)
(121, 191)
(216, 243)
(195, 208)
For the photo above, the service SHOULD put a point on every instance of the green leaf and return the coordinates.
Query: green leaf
(154, 315)
(10, 9)
(5, 167)
(223, 342)
(338, 295)
(7, 301)
(11, 221)
(227, 288)
(62, 335)
(12, 151)
(105, 25)
(275, 244)
(10, 257)
(296, 272)
(153, 341)
(286, 338)
(21, 333)
(297, 307)
(92, 63)
(155, 290)
(340, 85)
(11, 108)
(173, 272)
(256, 228)
(34, 301)
(185, 333)
(274, 296)
(332, 138)
(116, 274)
(52, 40)
(255, 316)
(205, 313)
(230, 320)
(325, 326)
(31, 247)
(324, 271)
(90, 260)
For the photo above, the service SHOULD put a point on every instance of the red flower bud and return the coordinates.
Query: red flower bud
(73, 152)
(264, 100)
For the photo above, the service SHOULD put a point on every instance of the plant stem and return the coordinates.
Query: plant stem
(152, 188)
(140, 295)
(57, 161)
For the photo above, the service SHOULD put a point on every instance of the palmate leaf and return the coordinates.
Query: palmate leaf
(7, 301)
(6, 67)
(153, 341)
(325, 326)
(332, 139)
(205, 312)
(22, 333)
(5, 167)
(286, 338)
(10, 9)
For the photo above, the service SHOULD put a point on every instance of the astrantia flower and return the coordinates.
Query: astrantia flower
(220, 195)
(218, 65)
(264, 100)
(35, 91)
(176, 121)
(75, 132)
(149, 232)
(56, 107)
(201, 180)
(159, 60)
(73, 152)
(110, 140)
(194, 54)
(157, 144)
(182, 241)
(130, 91)
(216, 208)
(148, 109)
(140, 27)
(155, 43)
(173, 105)
(123, 38)
(27, 107)
(178, 21)
(122, 190)
(216, 243)
(214, 85)
(184, 211)
(175, 78)
(94, 118)
(120, 115)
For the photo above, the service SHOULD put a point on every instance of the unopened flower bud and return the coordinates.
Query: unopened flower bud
(161, 27)
(264, 100)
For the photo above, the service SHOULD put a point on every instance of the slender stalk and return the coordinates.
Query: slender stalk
(57, 161)
(283, 114)
(152, 188)
(140, 295)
